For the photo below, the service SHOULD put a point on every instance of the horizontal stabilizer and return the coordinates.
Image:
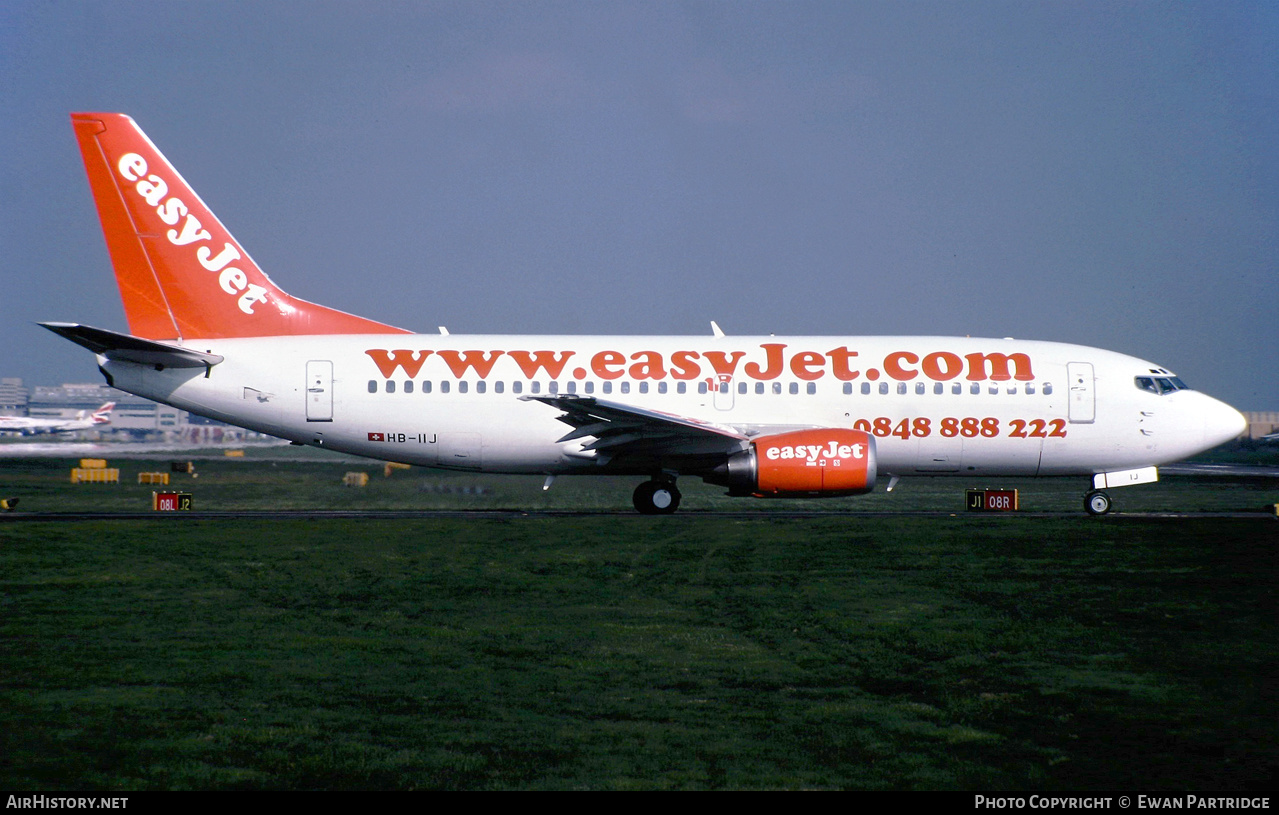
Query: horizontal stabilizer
(127, 348)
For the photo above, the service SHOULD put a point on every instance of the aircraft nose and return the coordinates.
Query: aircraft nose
(1223, 423)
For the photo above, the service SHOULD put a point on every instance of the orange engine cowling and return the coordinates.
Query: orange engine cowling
(829, 461)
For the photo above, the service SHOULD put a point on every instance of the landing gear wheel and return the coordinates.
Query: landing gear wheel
(656, 497)
(1097, 503)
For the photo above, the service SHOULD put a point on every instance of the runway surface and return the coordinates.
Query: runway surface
(509, 514)
(1222, 470)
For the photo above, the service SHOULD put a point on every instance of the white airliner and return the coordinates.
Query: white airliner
(763, 416)
(84, 420)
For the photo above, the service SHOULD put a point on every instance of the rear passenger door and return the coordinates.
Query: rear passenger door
(319, 390)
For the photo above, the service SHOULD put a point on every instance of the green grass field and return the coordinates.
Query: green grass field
(691, 652)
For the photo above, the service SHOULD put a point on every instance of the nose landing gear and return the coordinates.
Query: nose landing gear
(1097, 503)
(656, 497)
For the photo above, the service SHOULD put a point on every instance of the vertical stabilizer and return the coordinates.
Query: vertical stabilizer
(181, 274)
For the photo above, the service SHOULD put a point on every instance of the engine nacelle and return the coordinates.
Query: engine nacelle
(831, 461)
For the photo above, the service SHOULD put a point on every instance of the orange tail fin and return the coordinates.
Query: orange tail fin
(181, 273)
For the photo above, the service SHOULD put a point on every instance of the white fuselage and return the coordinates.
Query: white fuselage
(936, 405)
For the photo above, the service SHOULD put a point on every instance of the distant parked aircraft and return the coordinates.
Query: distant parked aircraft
(84, 420)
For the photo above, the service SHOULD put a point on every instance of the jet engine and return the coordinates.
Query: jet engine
(828, 461)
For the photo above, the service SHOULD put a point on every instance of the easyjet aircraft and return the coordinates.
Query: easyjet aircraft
(84, 420)
(763, 416)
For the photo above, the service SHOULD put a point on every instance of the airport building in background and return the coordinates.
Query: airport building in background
(133, 417)
(1262, 423)
(13, 398)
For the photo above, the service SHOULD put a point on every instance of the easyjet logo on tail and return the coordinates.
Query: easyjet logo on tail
(773, 360)
(187, 230)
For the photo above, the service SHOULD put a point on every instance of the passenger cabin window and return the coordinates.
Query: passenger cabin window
(372, 386)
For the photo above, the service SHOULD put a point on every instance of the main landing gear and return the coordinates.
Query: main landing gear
(656, 497)
(1097, 503)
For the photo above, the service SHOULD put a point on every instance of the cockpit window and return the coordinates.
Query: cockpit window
(1160, 384)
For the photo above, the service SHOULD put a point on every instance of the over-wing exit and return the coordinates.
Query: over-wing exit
(762, 416)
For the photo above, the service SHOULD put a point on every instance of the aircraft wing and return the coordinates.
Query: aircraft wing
(624, 430)
(127, 348)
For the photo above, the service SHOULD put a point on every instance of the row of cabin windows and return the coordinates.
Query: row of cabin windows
(682, 387)
(518, 387)
(955, 388)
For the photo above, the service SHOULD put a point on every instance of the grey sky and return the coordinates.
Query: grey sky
(1101, 173)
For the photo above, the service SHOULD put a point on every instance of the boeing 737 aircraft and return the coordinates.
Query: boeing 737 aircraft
(83, 421)
(763, 416)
